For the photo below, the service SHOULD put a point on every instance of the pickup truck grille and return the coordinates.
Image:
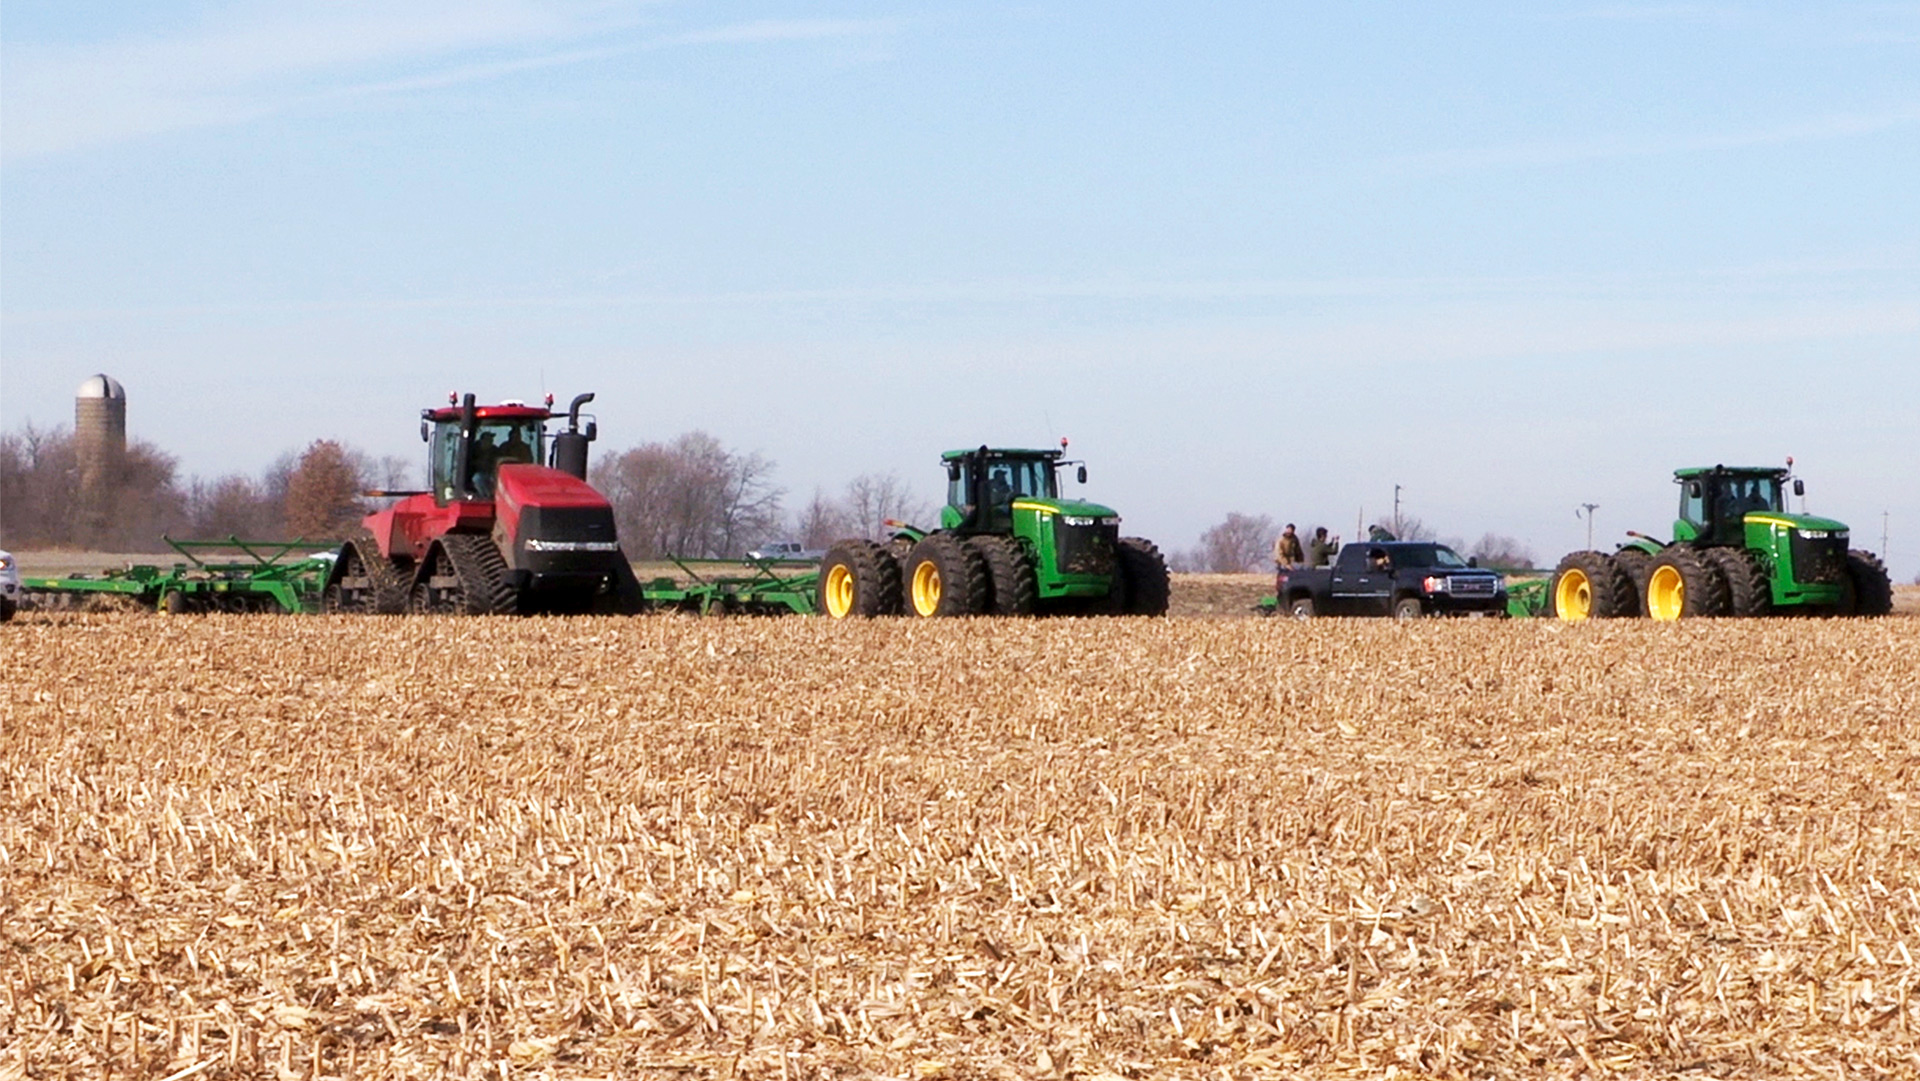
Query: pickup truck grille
(1475, 586)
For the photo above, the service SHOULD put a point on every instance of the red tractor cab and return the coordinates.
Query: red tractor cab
(508, 523)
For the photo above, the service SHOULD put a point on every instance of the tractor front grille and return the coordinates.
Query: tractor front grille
(1085, 549)
(1819, 559)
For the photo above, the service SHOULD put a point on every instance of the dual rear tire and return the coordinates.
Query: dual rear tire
(944, 574)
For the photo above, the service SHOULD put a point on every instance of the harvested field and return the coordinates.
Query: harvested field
(674, 848)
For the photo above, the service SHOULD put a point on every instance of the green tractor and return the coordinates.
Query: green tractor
(1736, 551)
(1008, 545)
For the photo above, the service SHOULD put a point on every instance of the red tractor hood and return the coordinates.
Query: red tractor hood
(522, 486)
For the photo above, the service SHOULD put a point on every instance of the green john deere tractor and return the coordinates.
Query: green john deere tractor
(1736, 551)
(1008, 544)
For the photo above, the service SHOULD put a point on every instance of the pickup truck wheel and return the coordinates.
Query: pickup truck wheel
(1409, 608)
(1301, 608)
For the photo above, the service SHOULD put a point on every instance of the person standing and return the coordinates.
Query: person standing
(1286, 554)
(1321, 548)
(1286, 550)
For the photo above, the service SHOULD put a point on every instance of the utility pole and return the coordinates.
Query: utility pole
(1396, 512)
(1883, 536)
(1589, 508)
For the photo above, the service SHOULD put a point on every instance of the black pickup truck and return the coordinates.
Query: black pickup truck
(1403, 579)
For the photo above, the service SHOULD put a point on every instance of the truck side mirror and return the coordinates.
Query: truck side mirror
(423, 431)
(1082, 474)
(1473, 561)
(1799, 487)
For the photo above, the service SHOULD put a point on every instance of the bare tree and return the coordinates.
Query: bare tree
(874, 498)
(39, 474)
(690, 497)
(323, 492)
(1494, 550)
(232, 506)
(822, 521)
(1242, 542)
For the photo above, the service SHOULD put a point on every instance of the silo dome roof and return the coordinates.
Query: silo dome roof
(100, 386)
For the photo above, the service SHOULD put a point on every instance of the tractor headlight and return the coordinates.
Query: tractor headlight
(1815, 534)
(1072, 519)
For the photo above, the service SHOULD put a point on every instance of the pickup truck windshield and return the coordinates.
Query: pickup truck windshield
(1426, 555)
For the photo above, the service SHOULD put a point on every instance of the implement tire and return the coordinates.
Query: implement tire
(1685, 584)
(858, 578)
(1590, 585)
(1749, 594)
(1143, 574)
(945, 577)
(1872, 587)
(1011, 588)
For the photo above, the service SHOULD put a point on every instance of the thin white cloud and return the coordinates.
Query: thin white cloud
(1651, 13)
(1578, 151)
(61, 98)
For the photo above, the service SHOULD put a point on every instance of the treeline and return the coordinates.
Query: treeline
(689, 496)
(1243, 543)
(137, 495)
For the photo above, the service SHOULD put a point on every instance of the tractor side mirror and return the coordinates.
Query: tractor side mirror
(1082, 474)
(1799, 487)
(423, 431)
(953, 471)
(593, 430)
(1693, 489)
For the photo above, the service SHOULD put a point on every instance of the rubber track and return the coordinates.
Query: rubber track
(483, 574)
(388, 581)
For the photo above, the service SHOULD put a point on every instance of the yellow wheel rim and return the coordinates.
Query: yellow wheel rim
(1666, 593)
(839, 591)
(926, 588)
(1573, 597)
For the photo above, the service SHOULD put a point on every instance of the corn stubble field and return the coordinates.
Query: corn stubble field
(665, 847)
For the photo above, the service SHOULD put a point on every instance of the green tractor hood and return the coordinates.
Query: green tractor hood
(1072, 508)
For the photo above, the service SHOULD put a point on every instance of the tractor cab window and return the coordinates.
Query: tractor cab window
(501, 442)
(1020, 477)
(1693, 502)
(495, 443)
(1740, 496)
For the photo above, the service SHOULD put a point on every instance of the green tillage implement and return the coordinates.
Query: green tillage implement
(265, 580)
(771, 587)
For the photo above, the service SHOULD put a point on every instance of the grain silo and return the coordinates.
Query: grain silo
(99, 426)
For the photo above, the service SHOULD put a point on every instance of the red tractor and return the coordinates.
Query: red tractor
(497, 531)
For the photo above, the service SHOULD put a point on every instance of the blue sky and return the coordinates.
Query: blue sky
(1271, 257)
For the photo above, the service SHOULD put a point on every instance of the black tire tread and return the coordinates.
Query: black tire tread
(876, 577)
(1610, 583)
(1011, 586)
(1749, 594)
(963, 575)
(1707, 595)
(1872, 585)
(1143, 574)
